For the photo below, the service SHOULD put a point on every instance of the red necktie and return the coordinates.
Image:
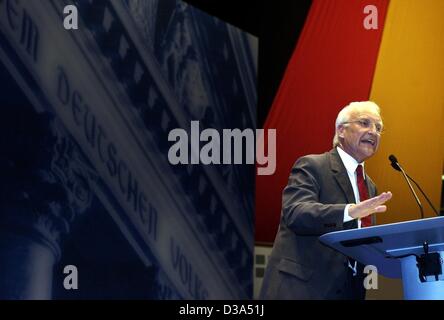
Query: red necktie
(363, 195)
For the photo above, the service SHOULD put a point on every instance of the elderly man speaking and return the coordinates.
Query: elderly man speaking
(327, 192)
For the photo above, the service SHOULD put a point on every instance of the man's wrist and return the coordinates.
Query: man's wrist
(347, 215)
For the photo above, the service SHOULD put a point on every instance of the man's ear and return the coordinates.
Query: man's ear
(341, 129)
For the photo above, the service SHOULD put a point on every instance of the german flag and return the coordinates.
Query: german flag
(390, 52)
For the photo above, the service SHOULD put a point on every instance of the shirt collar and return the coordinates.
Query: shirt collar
(349, 162)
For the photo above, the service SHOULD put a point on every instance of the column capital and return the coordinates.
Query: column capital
(45, 178)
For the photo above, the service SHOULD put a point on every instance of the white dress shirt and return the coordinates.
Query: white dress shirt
(350, 165)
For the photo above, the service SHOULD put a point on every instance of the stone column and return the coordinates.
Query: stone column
(44, 184)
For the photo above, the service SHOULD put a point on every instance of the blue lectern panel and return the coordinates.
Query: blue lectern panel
(378, 245)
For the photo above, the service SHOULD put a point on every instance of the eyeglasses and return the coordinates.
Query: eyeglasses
(368, 124)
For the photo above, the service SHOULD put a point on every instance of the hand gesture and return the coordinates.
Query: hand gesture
(369, 206)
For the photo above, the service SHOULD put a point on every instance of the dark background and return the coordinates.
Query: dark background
(277, 24)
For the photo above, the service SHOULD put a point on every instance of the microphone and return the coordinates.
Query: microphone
(396, 166)
(394, 162)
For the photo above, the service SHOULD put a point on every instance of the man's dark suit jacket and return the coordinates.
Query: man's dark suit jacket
(300, 266)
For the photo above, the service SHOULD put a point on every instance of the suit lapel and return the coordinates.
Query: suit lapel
(370, 187)
(341, 176)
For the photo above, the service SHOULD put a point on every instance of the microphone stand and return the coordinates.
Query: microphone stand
(425, 196)
(413, 192)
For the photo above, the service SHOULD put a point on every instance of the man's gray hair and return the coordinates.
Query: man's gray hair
(354, 107)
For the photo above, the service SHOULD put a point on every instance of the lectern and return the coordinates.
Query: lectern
(411, 250)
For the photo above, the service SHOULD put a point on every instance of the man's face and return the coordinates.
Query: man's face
(360, 136)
